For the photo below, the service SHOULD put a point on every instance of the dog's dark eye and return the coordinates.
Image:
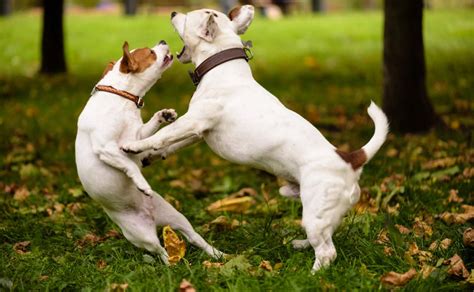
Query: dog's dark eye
(208, 12)
(215, 15)
(152, 52)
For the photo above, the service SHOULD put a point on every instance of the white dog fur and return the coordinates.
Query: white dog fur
(113, 178)
(244, 123)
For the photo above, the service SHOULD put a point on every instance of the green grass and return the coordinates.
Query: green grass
(327, 68)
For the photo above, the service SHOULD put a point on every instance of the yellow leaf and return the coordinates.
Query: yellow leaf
(445, 243)
(422, 228)
(209, 265)
(426, 271)
(22, 247)
(21, 194)
(175, 247)
(459, 218)
(402, 229)
(238, 202)
(396, 279)
(453, 197)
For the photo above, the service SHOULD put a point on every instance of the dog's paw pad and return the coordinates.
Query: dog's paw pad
(168, 115)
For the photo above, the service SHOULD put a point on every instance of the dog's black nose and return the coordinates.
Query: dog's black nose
(162, 42)
(173, 14)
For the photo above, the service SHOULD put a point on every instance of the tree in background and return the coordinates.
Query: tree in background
(405, 99)
(131, 7)
(53, 60)
(5, 7)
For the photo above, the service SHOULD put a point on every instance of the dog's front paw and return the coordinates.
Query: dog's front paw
(167, 115)
(131, 148)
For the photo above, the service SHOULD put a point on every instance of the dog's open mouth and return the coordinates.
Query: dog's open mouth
(167, 59)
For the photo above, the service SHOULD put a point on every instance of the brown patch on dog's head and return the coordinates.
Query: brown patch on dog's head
(109, 67)
(234, 12)
(137, 61)
(356, 158)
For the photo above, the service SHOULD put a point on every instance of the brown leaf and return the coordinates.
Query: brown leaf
(388, 250)
(209, 265)
(238, 202)
(101, 264)
(89, 239)
(422, 228)
(440, 163)
(468, 237)
(393, 210)
(43, 277)
(458, 218)
(266, 266)
(21, 194)
(186, 286)
(456, 267)
(115, 287)
(453, 197)
(382, 237)
(402, 229)
(366, 203)
(22, 247)
(445, 243)
(222, 223)
(175, 247)
(392, 152)
(396, 279)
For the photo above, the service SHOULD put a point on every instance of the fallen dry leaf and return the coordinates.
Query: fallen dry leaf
(470, 280)
(393, 210)
(266, 266)
(422, 228)
(468, 237)
(440, 163)
(456, 267)
(445, 243)
(43, 277)
(21, 194)
(175, 247)
(115, 287)
(22, 247)
(101, 264)
(413, 249)
(222, 223)
(366, 203)
(209, 265)
(426, 271)
(382, 237)
(396, 279)
(238, 202)
(458, 218)
(186, 286)
(402, 229)
(388, 250)
(391, 152)
(92, 239)
(453, 197)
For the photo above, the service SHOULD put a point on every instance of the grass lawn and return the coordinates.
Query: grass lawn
(326, 68)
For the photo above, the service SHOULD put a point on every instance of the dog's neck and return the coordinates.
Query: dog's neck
(126, 82)
(231, 73)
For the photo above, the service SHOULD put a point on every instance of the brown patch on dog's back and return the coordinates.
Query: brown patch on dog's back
(234, 12)
(356, 158)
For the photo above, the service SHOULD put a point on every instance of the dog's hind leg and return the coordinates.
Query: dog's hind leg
(323, 208)
(140, 229)
(165, 214)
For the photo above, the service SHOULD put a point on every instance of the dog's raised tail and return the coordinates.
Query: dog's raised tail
(360, 157)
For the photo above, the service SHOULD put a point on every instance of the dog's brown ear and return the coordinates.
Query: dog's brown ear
(208, 30)
(234, 13)
(128, 64)
(242, 17)
(109, 67)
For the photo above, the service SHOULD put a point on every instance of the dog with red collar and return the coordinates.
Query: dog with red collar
(113, 178)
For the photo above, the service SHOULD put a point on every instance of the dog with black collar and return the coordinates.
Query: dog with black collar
(244, 123)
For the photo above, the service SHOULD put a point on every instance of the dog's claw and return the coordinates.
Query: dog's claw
(128, 150)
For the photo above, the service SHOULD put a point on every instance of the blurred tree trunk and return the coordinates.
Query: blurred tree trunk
(405, 99)
(53, 60)
(131, 7)
(317, 5)
(5, 7)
